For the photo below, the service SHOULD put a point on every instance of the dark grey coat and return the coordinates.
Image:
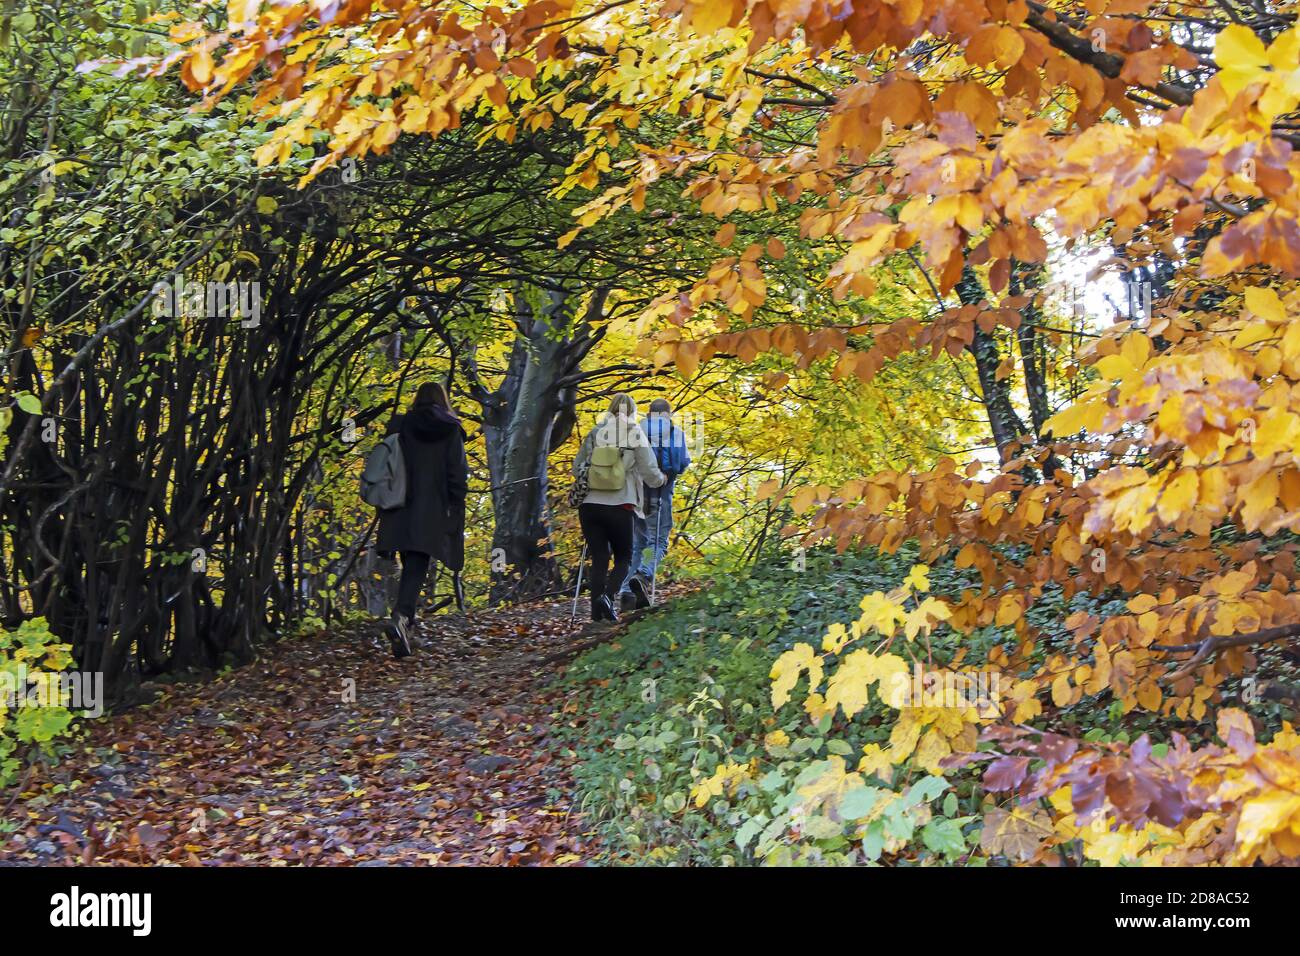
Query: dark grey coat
(433, 519)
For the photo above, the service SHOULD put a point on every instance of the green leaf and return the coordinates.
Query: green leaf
(943, 836)
(923, 791)
(898, 824)
(858, 802)
(874, 840)
(748, 830)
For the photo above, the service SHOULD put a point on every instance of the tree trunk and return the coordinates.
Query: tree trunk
(518, 422)
(1004, 423)
(528, 415)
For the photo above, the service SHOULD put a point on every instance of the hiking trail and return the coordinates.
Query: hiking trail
(447, 757)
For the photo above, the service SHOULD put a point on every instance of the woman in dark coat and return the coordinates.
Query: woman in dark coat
(431, 525)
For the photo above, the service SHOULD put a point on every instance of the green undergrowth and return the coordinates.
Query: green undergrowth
(684, 698)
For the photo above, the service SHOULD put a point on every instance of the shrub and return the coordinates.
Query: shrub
(33, 699)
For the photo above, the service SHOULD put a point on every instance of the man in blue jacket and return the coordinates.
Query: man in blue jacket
(650, 534)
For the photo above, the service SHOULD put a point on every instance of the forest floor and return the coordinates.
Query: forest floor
(447, 757)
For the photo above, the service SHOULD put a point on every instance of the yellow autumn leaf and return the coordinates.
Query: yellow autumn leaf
(903, 738)
(1284, 52)
(918, 578)
(1114, 367)
(200, 65)
(1111, 849)
(1237, 47)
(710, 15)
(1150, 696)
(242, 11)
(924, 616)
(1179, 495)
(876, 762)
(1061, 690)
(1258, 498)
(1266, 304)
(803, 499)
(848, 686)
(1083, 415)
(1010, 609)
(1241, 55)
(881, 613)
(1028, 706)
(1261, 818)
(1136, 350)
(837, 635)
(932, 748)
(787, 669)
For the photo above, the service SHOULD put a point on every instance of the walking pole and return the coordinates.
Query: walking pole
(659, 525)
(582, 561)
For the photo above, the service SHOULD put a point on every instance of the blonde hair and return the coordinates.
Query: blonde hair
(622, 404)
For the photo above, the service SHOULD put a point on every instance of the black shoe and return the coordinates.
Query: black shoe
(626, 601)
(398, 638)
(604, 610)
(639, 592)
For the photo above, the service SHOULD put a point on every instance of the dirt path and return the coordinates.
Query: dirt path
(443, 758)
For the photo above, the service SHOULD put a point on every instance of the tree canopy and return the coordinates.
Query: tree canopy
(850, 237)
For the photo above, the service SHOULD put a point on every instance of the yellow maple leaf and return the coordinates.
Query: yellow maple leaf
(918, 578)
(785, 672)
(836, 637)
(876, 761)
(881, 613)
(932, 748)
(906, 733)
(848, 687)
(924, 617)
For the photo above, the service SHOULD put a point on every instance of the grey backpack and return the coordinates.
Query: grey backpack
(383, 480)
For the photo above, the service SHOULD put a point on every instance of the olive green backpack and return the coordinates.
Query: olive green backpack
(606, 471)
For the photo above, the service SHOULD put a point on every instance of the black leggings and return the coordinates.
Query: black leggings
(608, 530)
(415, 568)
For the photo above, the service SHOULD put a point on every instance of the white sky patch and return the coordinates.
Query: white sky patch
(1079, 287)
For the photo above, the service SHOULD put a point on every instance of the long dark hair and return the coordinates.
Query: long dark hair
(433, 393)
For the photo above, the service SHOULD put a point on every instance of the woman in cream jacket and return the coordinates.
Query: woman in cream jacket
(607, 516)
